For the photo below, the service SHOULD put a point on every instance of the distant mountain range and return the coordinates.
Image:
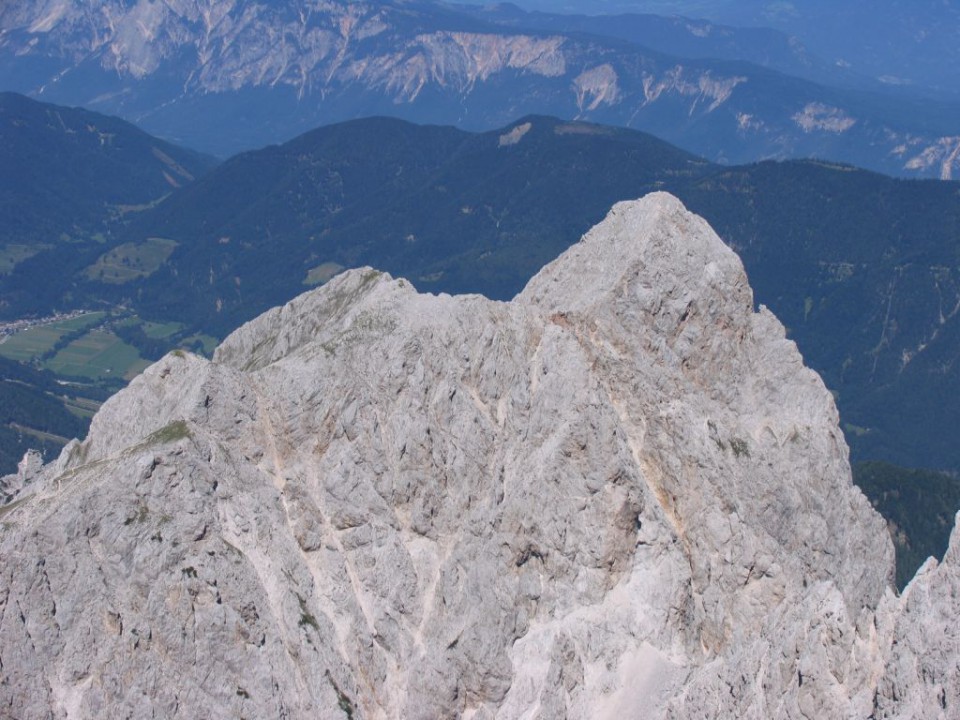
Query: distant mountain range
(685, 37)
(228, 76)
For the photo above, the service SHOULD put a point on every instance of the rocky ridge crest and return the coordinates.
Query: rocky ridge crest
(621, 494)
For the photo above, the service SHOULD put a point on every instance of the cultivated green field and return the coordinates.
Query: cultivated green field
(34, 342)
(81, 407)
(40, 434)
(161, 330)
(131, 261)
(12, 254)
(98, 354)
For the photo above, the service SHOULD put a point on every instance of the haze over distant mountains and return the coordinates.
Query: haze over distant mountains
(228, 76)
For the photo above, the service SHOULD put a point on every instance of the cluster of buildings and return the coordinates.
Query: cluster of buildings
(14, 326)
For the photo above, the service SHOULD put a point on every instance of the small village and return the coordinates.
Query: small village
(13, 327)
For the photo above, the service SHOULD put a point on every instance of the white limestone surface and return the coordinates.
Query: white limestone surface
(619, 495)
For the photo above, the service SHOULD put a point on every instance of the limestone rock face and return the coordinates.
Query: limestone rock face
(619, 495)
(27, 469)
(921, 676)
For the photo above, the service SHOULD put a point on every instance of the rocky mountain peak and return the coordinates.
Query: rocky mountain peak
(620, 493)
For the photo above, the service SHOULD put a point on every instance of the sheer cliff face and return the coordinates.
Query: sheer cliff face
(619, 494)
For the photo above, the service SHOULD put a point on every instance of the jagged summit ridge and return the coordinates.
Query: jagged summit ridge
(620, 494)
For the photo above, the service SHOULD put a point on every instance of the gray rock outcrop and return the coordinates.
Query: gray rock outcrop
(29, 467)
(619, 495)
